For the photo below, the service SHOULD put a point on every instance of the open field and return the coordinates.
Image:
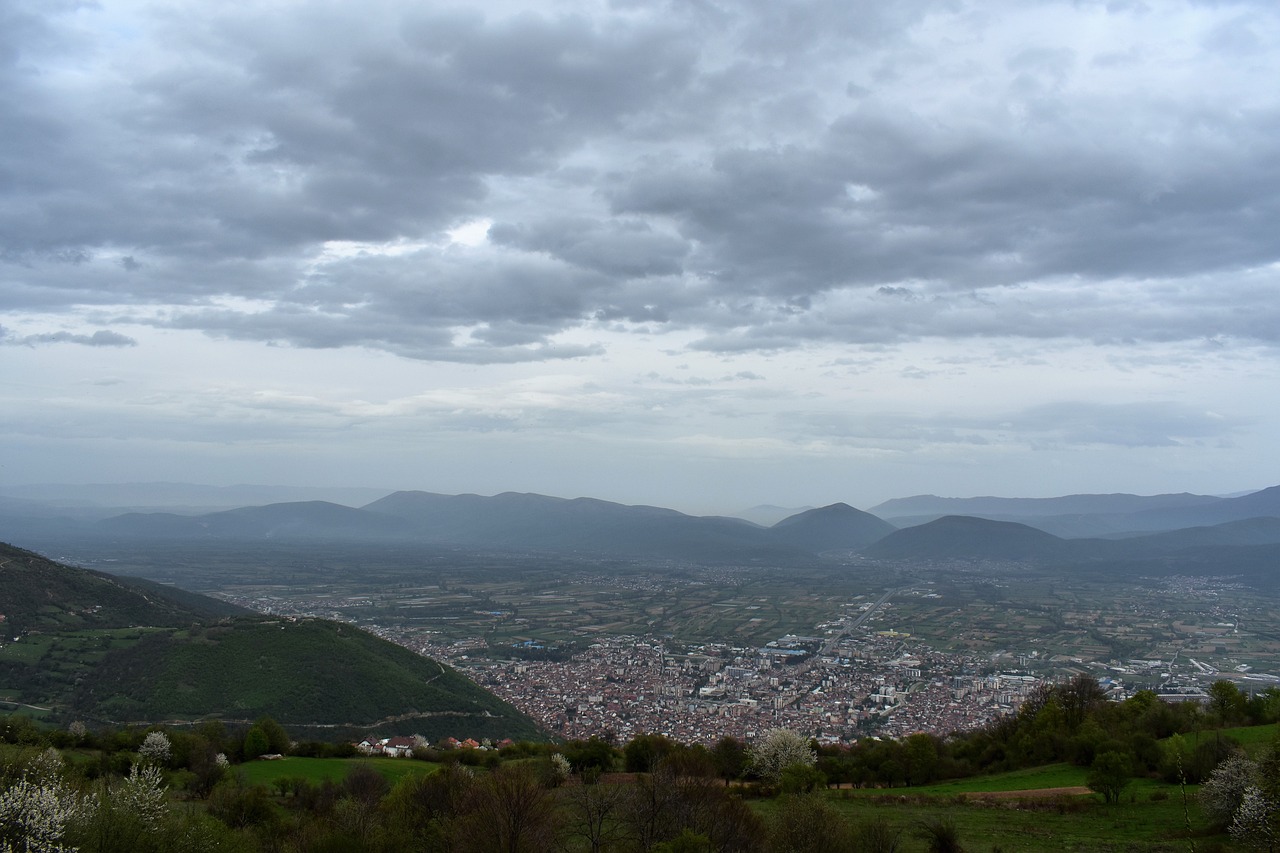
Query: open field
(1253, 738)
(1072, 823)
(316, 770)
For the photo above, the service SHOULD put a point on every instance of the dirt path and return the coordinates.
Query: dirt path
(1031, 793)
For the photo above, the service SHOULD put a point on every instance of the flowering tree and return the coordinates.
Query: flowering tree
(1223, 792)
(1255, 821)
(37, 810)
(778, 750)
(142, 793)
(155, 748)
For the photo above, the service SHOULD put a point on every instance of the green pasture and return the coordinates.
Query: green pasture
(1252, 738)
(1032, 778)
(1030, 825)
(1151, 816)
(317, 770)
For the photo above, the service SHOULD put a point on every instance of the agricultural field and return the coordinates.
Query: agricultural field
(493, 602)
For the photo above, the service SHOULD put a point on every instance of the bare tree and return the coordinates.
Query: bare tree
(510, 812)
(593, 813)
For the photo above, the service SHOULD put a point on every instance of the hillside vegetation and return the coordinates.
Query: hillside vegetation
(85, 645)
(307, 673)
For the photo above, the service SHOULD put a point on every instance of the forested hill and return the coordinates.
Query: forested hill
(99, 648)
(37, 594)
(305, 674)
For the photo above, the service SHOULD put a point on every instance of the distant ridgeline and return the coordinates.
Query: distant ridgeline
(89, 646)
(1143, 535)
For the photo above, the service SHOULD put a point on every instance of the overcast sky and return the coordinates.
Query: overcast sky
(701, 254)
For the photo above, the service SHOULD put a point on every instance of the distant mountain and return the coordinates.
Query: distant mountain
(1090, 516)
(967, 537)
(1258, 504)
(767, 515)
(987, 507)
(838, 526)
(309, 520)
(157, 496)
(540, 523)
(587, 527)
(106, 649)
(510, 522)
(1231, 534)
(1247, 549)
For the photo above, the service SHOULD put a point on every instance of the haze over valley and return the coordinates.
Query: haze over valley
(596, 618)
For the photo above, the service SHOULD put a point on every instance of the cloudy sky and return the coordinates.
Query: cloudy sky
(702, 254)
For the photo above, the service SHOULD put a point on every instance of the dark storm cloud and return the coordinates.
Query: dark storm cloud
(766, 174)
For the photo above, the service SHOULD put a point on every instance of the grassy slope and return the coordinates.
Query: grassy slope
(37, 594)
(316, 770)
(310, 672)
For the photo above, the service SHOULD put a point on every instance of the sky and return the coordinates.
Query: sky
(698, 254)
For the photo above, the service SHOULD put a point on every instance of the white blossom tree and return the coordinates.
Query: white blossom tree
(1223, 792)
(155, 748)
(37, 810)
(778, 750)
(143, 794)
(1255, 820)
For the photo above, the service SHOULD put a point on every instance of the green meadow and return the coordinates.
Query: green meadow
(317, 770)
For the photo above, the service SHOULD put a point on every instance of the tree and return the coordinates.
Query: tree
(643, 752)
(255, 743)
(1255, 820)
(800, 778)
(39, 808)
(510, 812)
(778, 750)
(1227, 702)
(155, 748)
(1078, 697)
(594, 753)
(730, 757)
(1224, 790)
(592, 810)
(277, 738)
(1109, 775)
(808, 824)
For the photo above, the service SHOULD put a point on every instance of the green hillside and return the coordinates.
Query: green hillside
(308, 673)
(85, 645)
(37, 594)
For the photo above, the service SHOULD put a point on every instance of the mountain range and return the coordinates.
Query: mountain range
(1070, 529)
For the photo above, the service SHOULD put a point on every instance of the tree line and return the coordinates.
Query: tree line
(141, 789)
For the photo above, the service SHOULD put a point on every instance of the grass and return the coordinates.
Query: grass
(28, 650)
(1149, 817)
(1049, 776)
(316, 770)
(1253, 738)
(1048, 825)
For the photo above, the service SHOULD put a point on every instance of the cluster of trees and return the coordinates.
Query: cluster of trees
(1243, 795)
(141, 790)
(1072, 722)
(49, 804)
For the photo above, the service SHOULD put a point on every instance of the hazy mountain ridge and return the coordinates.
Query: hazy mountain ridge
(1088, 516)
(1084, 504)
(526, 522)
(838, 526)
